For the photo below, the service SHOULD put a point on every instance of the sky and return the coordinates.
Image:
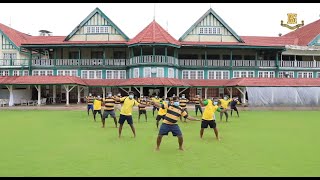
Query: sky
(246, 19)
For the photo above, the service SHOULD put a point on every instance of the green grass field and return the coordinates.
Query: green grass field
(69, 143)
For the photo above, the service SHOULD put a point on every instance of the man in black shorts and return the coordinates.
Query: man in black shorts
(142, 110)
(233, 105)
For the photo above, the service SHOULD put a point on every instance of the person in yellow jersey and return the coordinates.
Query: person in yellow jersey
(142, 110)
(90, 100)
(97, 107)
(157, 100)
(109, 105)
(183, 105)
(208, 118)
(169, 124)
(224, 107)
(126, 111)
(162, 111)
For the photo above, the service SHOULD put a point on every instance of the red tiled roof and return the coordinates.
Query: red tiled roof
(250, 41)
(103, 82)
(274, 82)
(41, 80)
(154, 33)
(15, 36)
(304, 35)
(60, 40)
(153, 82)
(207, 82)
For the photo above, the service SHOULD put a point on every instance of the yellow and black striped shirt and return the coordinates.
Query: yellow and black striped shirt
(143, 102)
(109, 103)
(90, 100)
(118, 102)
(173, 114)
(183, 103)
(197, 101)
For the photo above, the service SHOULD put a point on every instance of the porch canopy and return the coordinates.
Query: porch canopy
(69, 82)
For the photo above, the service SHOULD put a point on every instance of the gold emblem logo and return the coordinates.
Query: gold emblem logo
(292, 19)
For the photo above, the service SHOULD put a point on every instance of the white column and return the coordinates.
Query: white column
(39, 95)
(78, 95)
(165, 92)
(231, 92)
(11, 102)
(130, 88)
(54, 89)
(103, 92)
(244, 95)
(141, 91)
(178, 92)
(67, 94)
(205, 93)
(86, 91)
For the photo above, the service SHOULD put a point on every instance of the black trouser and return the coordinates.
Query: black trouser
(197, 106)
(154, 108)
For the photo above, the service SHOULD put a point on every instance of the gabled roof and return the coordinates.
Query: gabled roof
(211, 11)
(304, 35)
(153, 33)
(96, 10)
(16, 37)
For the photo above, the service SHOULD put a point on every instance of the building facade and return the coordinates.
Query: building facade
(210, 49)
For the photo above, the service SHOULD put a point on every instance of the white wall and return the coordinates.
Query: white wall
(18, 94)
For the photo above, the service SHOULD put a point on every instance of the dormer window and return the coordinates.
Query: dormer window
(97, 29)
(209, 30)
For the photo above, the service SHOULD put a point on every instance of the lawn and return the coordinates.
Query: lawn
(69, 143)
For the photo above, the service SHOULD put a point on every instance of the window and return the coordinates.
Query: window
(42, 72)
(218, 74)
(9, 55)
(305, 74)
(160, 72)
(123, 74)
(25, 73)
(109, 74)
(136, 73)
(115, 74)
(74, 55)
(97, 29)
(288, 74)
(209, 30)
(266, 74)
(200, 75)
(4, 72)
(318, 74)
(170, 73)
(242, 74)
(91, 74)
(192, 74)
(147, 72)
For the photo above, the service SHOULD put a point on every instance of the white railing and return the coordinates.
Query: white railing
(220, 63)
(192, 62)
(20, 62)
(42, 62)
(300, 64)
(115, 62)
(266, 63)
(5, 62)
(244, 63)
(153, 59)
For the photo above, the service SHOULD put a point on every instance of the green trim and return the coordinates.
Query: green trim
(96, 10)
(16, 47)
(70, 45)
(211, 11)
(153, 44)
(314, 41)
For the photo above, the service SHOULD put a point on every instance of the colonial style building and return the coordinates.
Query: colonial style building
(106, 59)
